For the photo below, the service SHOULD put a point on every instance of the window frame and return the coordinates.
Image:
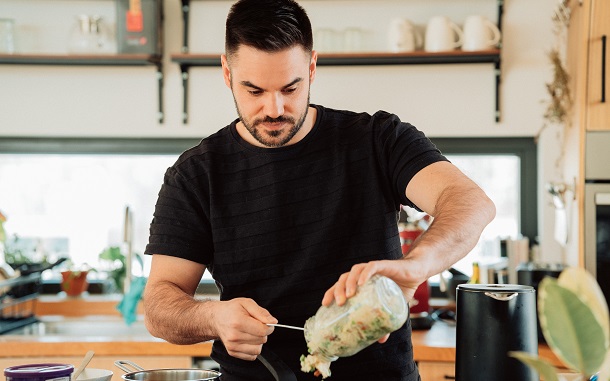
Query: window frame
(523, 147)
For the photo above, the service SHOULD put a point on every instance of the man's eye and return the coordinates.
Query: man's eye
(290, 90)
(255, 92)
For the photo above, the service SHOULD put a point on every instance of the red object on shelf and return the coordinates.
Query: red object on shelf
(422, 294)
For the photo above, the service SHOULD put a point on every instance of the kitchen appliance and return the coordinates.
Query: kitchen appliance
(491, 320)
(597, 208)
(531, 274)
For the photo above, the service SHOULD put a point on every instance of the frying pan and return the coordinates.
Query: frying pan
(279, 370)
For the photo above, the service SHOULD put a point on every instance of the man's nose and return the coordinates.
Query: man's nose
(274, 106)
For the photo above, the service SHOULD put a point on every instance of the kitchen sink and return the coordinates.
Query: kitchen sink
(85, 326)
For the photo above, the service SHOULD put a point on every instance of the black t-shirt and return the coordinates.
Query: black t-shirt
(280, 225)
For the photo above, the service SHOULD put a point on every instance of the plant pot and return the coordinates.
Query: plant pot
(74, 283)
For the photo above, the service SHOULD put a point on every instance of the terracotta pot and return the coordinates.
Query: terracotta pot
(74, 283)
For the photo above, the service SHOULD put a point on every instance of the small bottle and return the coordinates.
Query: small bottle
(378, 308)
(476, 277)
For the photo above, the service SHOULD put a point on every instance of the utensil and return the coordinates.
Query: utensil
(83, 364)
(285, 326)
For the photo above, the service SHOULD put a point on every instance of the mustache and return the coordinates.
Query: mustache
(279, 119)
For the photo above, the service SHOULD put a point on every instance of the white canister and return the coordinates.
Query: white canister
(480, 34)
(442, 34)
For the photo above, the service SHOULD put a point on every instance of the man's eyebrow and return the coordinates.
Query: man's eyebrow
(251, 85)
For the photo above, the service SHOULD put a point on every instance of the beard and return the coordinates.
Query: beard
(274, 138)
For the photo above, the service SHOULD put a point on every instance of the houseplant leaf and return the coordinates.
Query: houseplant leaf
(585, 286)
(570, 328)
(543, 367)
(604, 372)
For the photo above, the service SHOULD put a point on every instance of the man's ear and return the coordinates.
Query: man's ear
(226, 73)
(312, 66)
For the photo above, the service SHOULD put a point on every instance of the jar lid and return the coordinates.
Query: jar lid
(39, 371)
(495, 288)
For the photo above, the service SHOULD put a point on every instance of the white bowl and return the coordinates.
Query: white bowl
(91, 374)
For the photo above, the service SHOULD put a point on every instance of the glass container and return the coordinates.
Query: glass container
(378, 308)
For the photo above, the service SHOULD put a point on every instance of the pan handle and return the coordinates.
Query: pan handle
(275, 365)
(125, 365)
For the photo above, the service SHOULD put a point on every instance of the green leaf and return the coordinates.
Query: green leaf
(583, 284)
(571, 328)
(604, 372)
(112, 253)
(542, 366)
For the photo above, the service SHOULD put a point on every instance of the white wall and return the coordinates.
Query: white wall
(442, 100)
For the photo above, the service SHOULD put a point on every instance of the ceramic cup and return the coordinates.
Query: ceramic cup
(442, 34)
(327, 40)
(403, 36)
(7, 43)
(480, 33)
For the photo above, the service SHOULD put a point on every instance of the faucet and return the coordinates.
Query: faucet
(128, 240)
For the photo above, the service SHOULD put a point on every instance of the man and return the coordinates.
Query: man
(294, 205)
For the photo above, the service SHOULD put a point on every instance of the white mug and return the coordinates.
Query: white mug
(442, 34)
(480, 34)
(403, 37)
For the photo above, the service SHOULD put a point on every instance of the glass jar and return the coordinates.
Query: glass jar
(90, 35)
(378, 308)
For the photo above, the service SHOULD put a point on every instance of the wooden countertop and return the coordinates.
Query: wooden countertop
(436, 344)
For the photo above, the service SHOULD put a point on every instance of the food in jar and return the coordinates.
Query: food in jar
(377, 309)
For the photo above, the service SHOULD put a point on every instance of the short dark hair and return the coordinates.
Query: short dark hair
(267, 25)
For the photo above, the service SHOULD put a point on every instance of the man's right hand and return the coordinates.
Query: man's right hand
(241, 325)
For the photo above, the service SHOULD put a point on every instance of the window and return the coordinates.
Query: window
(69, 197)
(506, 169)
(100, 177)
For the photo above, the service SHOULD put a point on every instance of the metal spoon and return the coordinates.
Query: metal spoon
(83, 364)
(285, 326)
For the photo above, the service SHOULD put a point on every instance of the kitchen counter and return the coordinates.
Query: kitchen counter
(105, 335)
(438, 345)
(435, 345)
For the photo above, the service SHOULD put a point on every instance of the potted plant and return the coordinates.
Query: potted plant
(574, 319)
(74, 282)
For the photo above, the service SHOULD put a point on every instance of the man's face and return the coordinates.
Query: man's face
(271, 92)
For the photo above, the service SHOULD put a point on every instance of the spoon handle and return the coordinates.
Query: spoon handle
(83, 364)
(286, 326)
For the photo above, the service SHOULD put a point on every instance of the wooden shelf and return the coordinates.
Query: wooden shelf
(188, 60)
(365, 58)
(81, 59)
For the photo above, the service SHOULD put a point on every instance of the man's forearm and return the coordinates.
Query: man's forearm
(177, 317)
(460, 218)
